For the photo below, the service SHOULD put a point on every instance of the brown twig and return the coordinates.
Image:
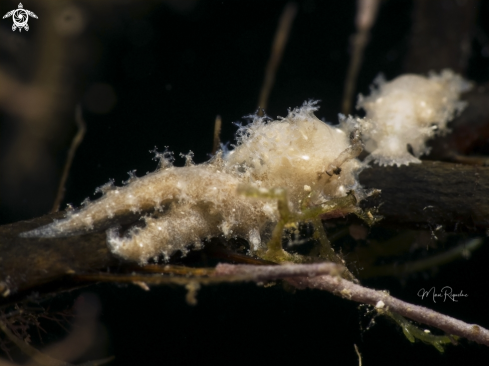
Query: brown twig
(417, 313)
(278, 47)
(418, 195)
(358, 293)
(421, 195)
(173, 270)
(217, 133)
(77, 140)
(223, 273)
(366, 14)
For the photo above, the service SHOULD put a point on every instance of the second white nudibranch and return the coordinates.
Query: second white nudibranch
(308, 166)
(408, 110)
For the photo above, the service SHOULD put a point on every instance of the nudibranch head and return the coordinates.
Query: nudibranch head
(294, 152)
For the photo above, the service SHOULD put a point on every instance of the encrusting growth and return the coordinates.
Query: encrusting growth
(280, 172)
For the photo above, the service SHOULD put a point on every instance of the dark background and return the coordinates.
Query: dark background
(155, 73)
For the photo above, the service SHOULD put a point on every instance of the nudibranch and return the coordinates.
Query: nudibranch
(408, 110)
(308, 166)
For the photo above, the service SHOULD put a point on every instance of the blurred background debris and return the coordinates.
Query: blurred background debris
(149, 73)
(86, 339)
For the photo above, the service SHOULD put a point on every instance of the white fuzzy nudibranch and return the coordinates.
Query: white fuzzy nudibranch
(180, 207)
(312, 162)
(408, 110)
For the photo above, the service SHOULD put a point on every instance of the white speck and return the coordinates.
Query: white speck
(305, 157)
(380, 305)
(341, 190)
(254, 238)
(427, 331)
(307, 188)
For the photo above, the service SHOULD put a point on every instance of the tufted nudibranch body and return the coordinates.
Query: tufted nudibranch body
(307, 166)
(408, 110)
(281, 172)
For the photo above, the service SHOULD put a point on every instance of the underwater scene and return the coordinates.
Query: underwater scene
(188, 182)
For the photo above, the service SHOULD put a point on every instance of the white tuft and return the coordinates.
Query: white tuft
(408, 111)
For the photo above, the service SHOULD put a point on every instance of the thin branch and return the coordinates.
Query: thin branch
(71, 155)
(366, 14)
(217, 132)
(358, 354)
(278, 47)
(358, 293)
(223, 273)
(417, 313)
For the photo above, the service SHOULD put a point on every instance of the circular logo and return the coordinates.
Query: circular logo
(20, 18)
